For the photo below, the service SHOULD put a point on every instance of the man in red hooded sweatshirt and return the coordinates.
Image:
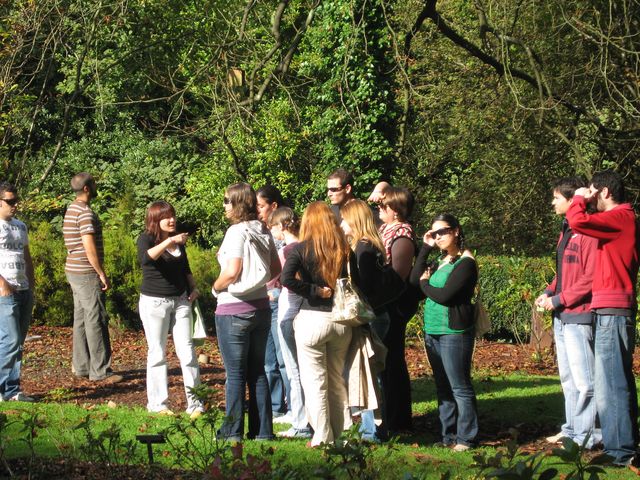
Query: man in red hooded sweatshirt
(614, 306)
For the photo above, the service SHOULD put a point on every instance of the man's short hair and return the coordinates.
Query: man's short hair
(567, 186)
(8, 187)
(613, 181)
(81, 180)
(346, 178)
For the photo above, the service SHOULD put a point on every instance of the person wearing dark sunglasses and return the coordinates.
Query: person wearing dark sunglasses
(16, 294)
(449, 285)
(339, 190)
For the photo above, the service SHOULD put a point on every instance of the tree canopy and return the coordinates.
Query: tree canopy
(475, 106)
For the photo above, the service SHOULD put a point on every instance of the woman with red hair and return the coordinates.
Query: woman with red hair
(166, 294)
(311, 271)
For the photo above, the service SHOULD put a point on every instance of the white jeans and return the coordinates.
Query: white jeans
(322, 349)
(159, 315)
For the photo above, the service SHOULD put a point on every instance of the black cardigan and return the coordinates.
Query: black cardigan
(309, 280)
(457, 292)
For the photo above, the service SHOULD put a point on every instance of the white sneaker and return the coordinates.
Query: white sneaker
(286, 418)
(461, 448)
(557, 438)
(21, 397)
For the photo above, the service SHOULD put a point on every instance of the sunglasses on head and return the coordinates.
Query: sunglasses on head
(334, 189)
(442, 232)
(10, 201)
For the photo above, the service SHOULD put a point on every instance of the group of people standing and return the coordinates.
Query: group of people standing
(278, 338)
(308, 368)
(593, 301)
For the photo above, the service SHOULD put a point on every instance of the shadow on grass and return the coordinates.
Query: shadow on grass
(533, 405)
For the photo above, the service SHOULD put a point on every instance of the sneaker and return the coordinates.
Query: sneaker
(21, 397)
(286, 418)
(110, 379)
(461, 447)
(295, 433)
(557, 438)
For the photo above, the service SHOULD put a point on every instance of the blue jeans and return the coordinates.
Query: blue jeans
(274, 366)
(242, 339)
(615, 387)
(450, 359)
(15, 316)
(576, 365)
(369, 430)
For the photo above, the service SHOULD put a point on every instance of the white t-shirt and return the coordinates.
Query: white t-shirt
(13, 240)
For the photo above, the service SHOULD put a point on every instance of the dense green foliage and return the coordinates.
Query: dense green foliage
(476, 106)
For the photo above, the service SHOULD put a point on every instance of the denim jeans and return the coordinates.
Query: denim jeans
(450, 358)
(161, 315)
(576, 365)
(615, 387)
(368, 428)
(242, 340)
(91, 344)
(288, 307)
(274, 366)
(15, 316)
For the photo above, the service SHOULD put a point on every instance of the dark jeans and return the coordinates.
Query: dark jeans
(450, 359)
(396, 384)
(242, 340)
(274, 366)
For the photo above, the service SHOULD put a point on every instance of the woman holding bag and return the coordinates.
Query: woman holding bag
(166, 295)
(311, 271)
(243, 316)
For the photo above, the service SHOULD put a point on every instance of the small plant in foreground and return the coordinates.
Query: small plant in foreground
(572, 453)
(5, 423)
(108, 446)
(32, 422)
(349, 457)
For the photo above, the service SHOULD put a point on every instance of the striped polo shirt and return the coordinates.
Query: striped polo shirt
(80, 220)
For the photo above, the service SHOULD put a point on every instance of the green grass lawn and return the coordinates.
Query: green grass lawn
(526, 403)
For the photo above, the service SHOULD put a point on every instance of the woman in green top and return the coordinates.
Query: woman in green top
(448, 283)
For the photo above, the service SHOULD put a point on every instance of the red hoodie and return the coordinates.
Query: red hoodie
(616, 268)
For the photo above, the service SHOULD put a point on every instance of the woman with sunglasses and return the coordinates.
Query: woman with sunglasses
(166, 295)
(449, 283)
(311, 271)
(243, 320)
(398, 239)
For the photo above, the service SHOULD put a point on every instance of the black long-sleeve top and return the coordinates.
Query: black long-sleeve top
(309, 280)
(457, 292)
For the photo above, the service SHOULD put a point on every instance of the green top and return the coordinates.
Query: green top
(436, 316)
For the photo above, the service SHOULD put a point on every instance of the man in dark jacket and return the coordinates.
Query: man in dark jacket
(569, 297)
(614, 305)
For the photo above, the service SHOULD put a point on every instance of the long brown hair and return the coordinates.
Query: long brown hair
(157, 211)
(360, 218)
(319, 229)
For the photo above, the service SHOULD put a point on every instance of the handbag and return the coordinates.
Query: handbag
(198, 331)
(480, 316)
(349, 307)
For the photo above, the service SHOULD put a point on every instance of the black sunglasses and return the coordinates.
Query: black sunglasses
(10, 201)
(334, 189)
(442, 232)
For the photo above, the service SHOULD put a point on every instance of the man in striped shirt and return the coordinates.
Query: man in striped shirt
(83, 239)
